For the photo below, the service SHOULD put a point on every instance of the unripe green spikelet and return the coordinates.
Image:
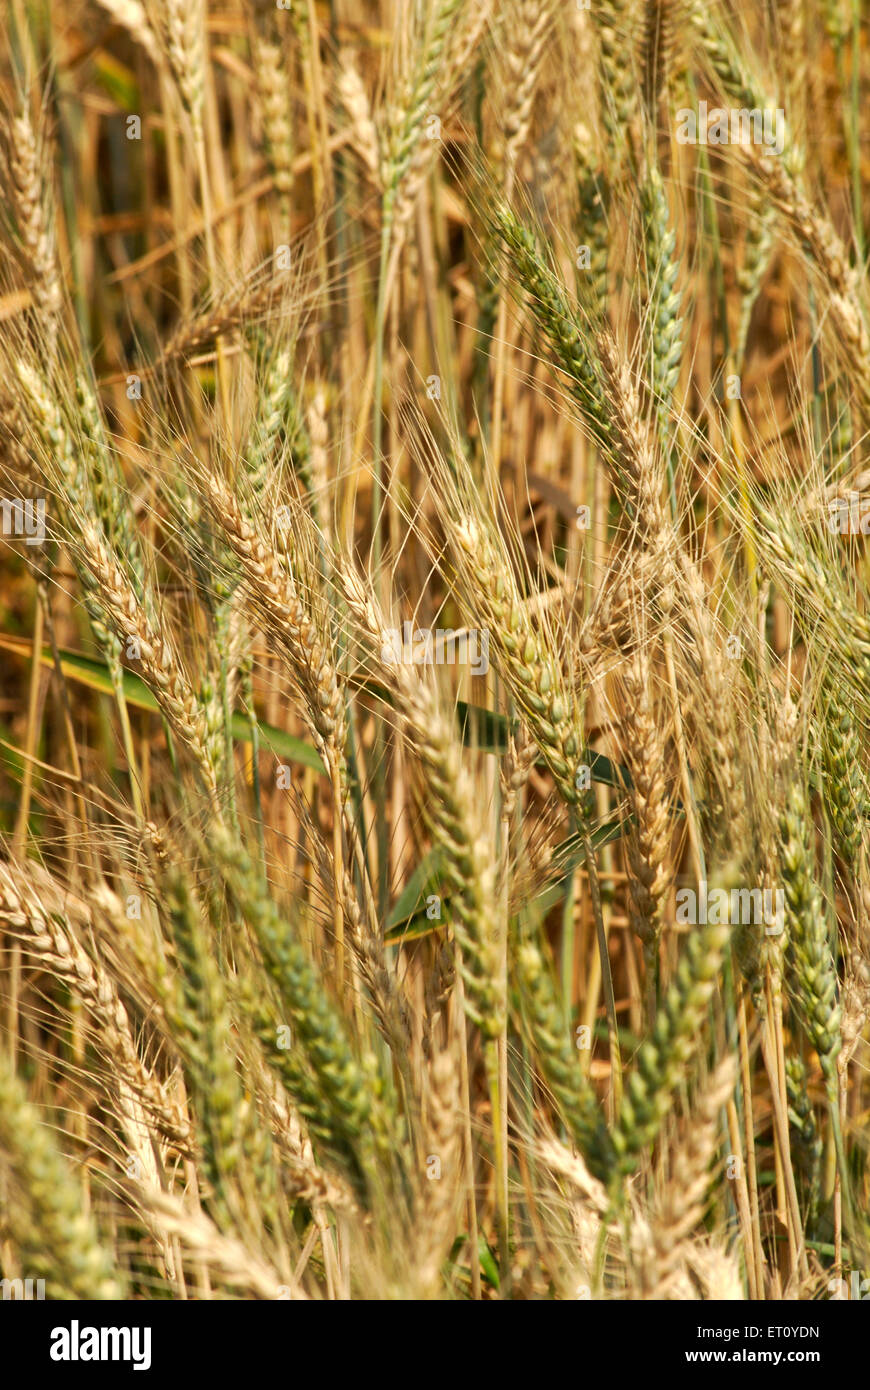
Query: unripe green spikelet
(352, 1093)
(198, 1009)
(54, 1235)
(557, 320)
(806, 1141)
(613, 20)
(662, 1060)
(464, 860)
(548, 1029)
(844, 786)
(527, 665)
(406, 134)
(592, 227)
(756, 259)
(666, 328)
(293, 1073)
(808, 951)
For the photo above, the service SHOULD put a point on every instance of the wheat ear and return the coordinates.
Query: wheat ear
(26, 183)
(592, 228)
(808, 950)
(278, 597)
(615, 23)
(530, 25)
(665, 326)
(682, 1205)
(438, 1209)
(405, 144)
(663, 1059)
(352, 93)
(548, 1031)
(161, 669)
(273, 90)
(55, 1237)
(350, 1092)
(132, 16)
(48, 938)
(807, 1145)
(530, 668)
(844, 785)
(448, 808)
(659, 36)
(649, 840)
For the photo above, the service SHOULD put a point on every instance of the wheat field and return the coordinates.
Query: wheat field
(434, 649)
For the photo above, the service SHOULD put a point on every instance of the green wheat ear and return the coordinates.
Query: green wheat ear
(663, 1059)
(592, 228)
(558, 321)
(198, 1005)
(757, 250)
(55, 1237)
(665, 328)
(807, 1146)
(615, 22)
(549, 1034)
(351, 1094)
(813, 971)
(844, 786)
(808, 951)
